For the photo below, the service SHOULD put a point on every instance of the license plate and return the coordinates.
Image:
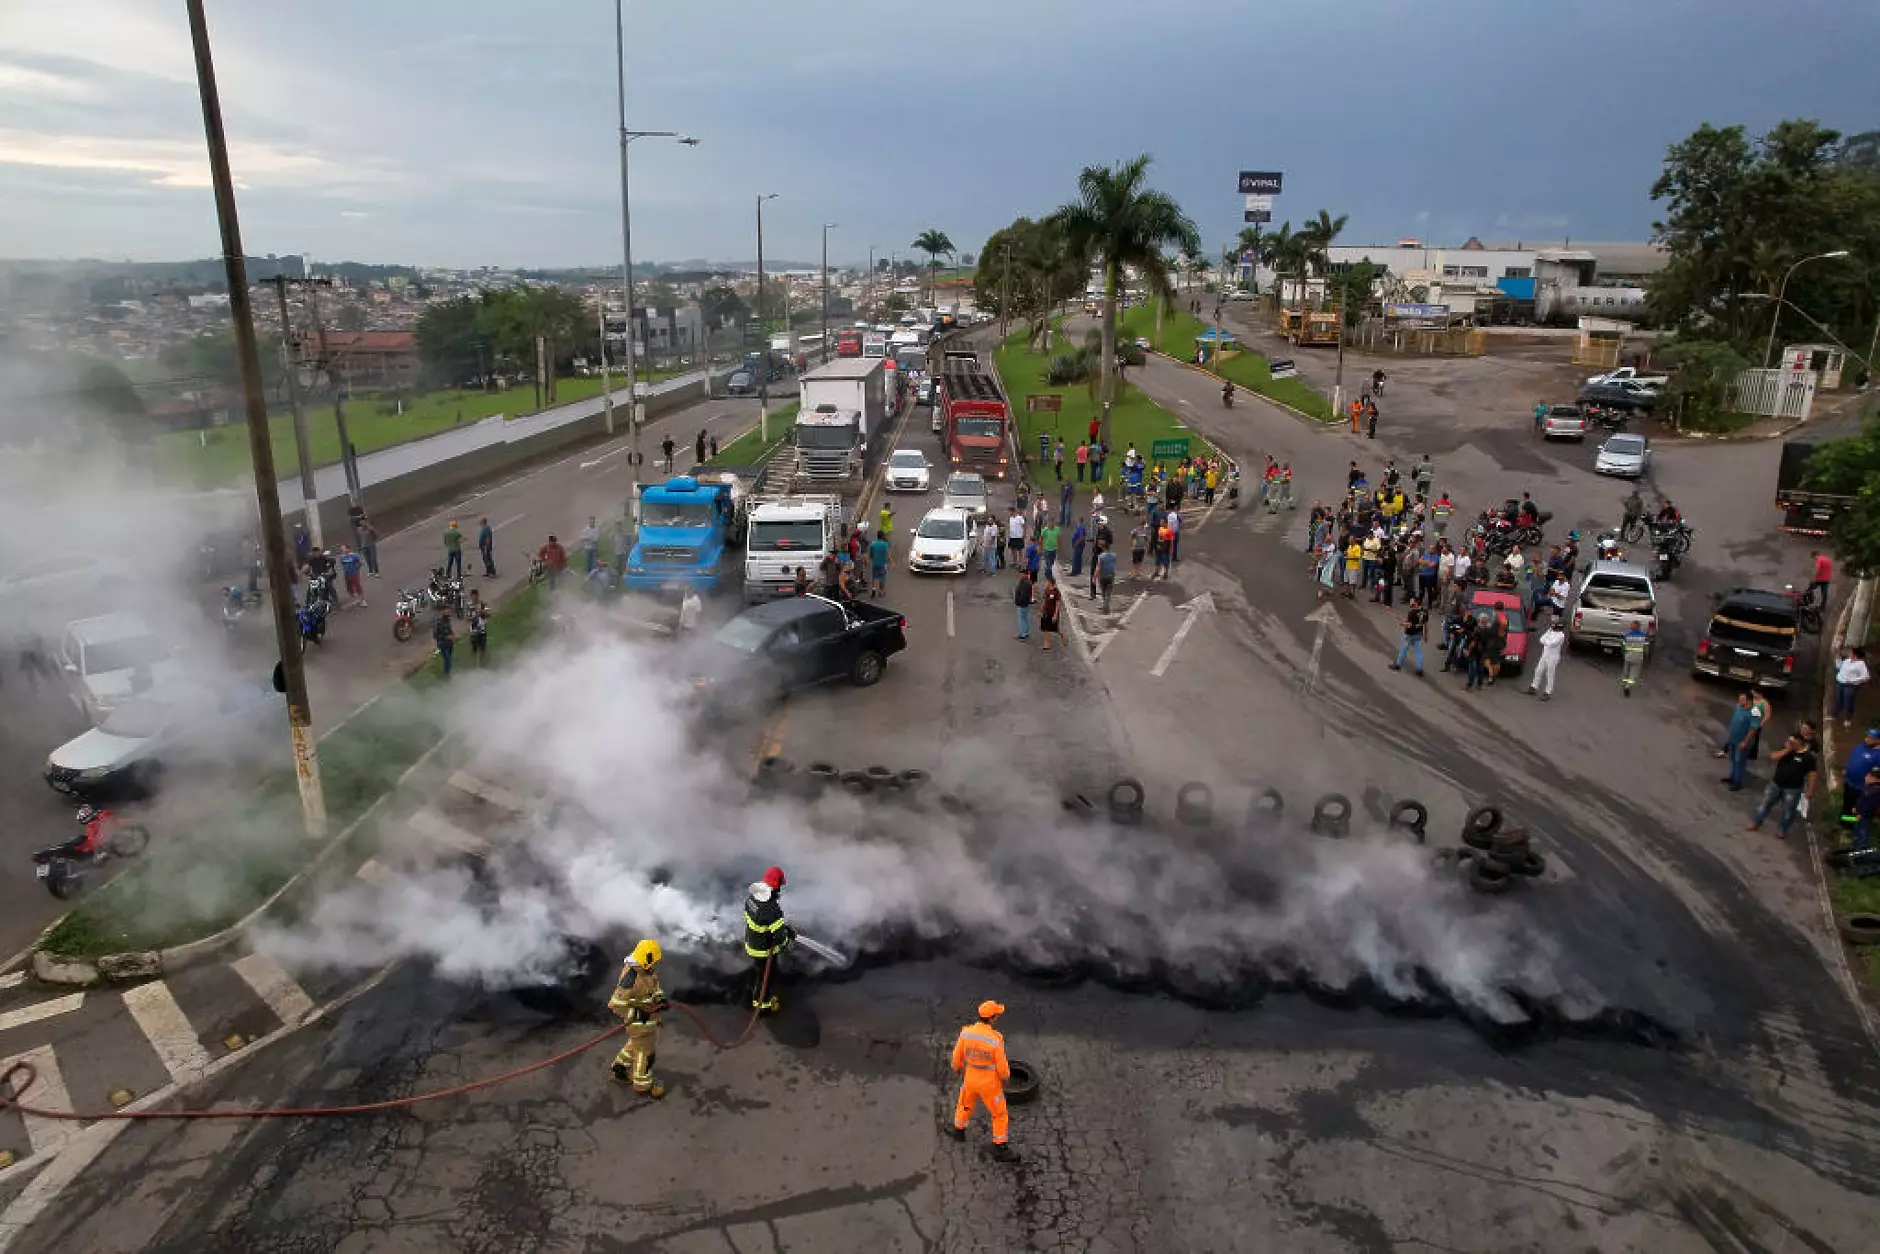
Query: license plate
(41, 870)
(1742, 672)
(1742, 653)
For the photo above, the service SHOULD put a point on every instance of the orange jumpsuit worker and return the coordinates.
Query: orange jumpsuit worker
(980, 1055)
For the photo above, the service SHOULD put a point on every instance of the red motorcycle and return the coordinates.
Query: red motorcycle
(64, 867)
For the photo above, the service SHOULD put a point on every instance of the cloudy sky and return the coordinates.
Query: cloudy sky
(474, 132)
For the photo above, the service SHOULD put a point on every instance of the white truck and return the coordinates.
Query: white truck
(783, 533)
(874, 345)
(785, 344)
(1629, 374)
(855, 386)
(831, 446)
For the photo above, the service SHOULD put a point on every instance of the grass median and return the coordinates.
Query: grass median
(1134, 418)
(751, 448)
(194, 884)
(1246, 368)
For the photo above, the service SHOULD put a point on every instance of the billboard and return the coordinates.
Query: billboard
(1399, 310)
(1257, 215)
(1260, 182)
(1257, 203)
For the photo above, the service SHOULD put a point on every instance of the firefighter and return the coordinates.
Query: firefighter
(766, 933)
(638, 1000)
(979, 1056)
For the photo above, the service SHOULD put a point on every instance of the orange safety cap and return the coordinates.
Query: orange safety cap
(987, 1009)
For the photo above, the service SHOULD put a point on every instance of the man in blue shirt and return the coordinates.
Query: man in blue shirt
(1864, 758)
(1744, 721)
(878, 562)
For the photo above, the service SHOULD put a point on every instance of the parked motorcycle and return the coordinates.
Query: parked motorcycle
(406, 609)
(1612, 419)
(446, 591)
(311, 619)
(64, 867)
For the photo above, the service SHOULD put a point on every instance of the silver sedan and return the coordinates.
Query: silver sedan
(1626, 455)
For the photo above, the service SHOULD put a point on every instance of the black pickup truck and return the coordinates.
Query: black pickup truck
(1751, 639)
(795, 642)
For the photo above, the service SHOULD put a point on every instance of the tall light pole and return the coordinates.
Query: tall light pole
(825, 283)
(626, 242)
(763, 374)
(260, 443)
(1775, 317)
(868, 287)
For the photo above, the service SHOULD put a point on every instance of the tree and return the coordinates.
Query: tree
(451, 343)
(1118, 222)
(1351, 289)
(1251, 244)
(1283, 254)
(1851, 467)
(1030, 264)
(1697, 394)
(1317, 237)
(934, 243)
(722, 307)
(351, 317)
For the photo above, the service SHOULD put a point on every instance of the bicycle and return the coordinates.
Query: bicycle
(538, 569)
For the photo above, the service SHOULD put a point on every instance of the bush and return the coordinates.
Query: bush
(1067, 368)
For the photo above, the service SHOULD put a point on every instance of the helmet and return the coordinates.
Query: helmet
(86, 814)
(774, 878)
(647, 954)
(990, 1009)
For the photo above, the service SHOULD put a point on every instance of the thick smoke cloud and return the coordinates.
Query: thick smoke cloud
(646, 830)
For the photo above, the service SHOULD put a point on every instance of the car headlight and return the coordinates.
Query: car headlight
(94, 775)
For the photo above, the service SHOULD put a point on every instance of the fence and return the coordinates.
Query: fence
(1775, 393)
(1375, 337)
(1600, 352)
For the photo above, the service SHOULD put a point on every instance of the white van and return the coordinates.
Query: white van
(108, 658)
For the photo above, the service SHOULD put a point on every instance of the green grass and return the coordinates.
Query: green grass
(1848, 894)
(1246, 368)
(749, 449)
(1134, 418)
(219, 455)
(196, 883)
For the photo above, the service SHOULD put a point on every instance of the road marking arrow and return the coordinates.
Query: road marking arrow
(1324, 616)
(1203, 604)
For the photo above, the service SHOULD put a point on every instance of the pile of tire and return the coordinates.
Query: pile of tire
(1494, 858)
(776, 774)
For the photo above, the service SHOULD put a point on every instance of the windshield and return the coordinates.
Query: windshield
(1564, 411)
(746, 635)
(1629, 445)
(911, 359)
(136, 718)
(908, 461)
(977, 426)
(966, 485)
(122, 655)
(825, 437)
(941, 529)
(675, 514)
(805, 536)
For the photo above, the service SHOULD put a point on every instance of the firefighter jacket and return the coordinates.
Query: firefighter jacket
(637, 997)
(766, 932)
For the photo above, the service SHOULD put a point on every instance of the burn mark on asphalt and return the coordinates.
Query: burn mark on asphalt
(812, 1202)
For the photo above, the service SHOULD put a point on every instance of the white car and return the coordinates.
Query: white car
(945, 543)
(908, 471)
(966, 491)
(111, 657)
(1625, 455)
(143, 734)
(1630, 374)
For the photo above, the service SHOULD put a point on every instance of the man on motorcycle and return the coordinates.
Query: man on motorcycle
(1377, 383)
(1527, 514)
(1227, 394)
(87, 842)
(1668, 513)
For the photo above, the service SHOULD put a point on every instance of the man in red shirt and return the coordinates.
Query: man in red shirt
(555, 557)
(1824, 575)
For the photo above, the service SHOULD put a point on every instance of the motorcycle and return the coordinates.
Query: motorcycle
(311, 619)
(446, 591)
(64, 867)
(1377, 384)
(1807, 609)
(1227, 396)
(234, 606)
(320, 589)
(1607, 548)
(406, 609)
(1613, 420)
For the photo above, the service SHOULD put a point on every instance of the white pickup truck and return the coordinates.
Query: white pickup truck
(1630, 374)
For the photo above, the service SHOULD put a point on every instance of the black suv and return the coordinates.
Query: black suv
(1751, 639)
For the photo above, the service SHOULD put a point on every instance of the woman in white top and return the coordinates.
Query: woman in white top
(1850, 673)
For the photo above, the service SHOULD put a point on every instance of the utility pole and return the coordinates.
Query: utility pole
(1005, 286)
(763, 336)
(260, 445)
(348, 456)
(607, 387)
(303, 452)
(825, 283)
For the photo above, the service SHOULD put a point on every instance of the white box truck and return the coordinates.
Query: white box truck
(783, 533)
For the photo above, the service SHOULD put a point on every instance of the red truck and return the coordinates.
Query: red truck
(849, 342)
(975, 415)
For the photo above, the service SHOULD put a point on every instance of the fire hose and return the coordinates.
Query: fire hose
(19, 1077)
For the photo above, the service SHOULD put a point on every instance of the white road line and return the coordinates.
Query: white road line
(167, 1029)
(1195, 608)
(46, 1136)
(949, 613)
(509, 521)
(275, 986)
(40, 1010)
(13, 979)
(495, 794)
(589, 465)
(438, 830)
(1122, 621)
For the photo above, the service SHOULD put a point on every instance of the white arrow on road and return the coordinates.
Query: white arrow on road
(1203, 604)
(1324, 616)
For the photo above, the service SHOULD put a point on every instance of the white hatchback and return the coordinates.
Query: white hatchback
(944, 543)
(908, 471)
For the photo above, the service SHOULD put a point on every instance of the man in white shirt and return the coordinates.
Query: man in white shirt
(1463, 563)
(989, 550)
(1445, 574)
(1553, 641)
(1558, 595)
(1015, 537)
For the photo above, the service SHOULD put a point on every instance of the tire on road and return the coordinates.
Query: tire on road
(1525, 862)
(1480, 827)
(1266, 809)
(1331, 815)
(1490, 875)
(1410, 816)
(1861, 929)
(824, 773)
(773, 771)
(1194, 804)
(867, 669)
(911, 779)
(880, 776)
(857, 783)
(1126, 797)
(1022, 1088)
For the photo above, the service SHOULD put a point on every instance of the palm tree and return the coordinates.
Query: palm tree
(1279, 250)
(1117, 222)
(1319, 234)
(933, 243)
(1251, 243)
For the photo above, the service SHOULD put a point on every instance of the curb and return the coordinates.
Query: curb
(1277, 404)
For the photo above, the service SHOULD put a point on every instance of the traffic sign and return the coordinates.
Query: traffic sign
(1257, 215)
(1044, 403)
(1260, 182)
(1161, 450)
(1257, 203)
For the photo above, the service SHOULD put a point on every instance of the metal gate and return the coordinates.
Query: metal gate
(1775, 393)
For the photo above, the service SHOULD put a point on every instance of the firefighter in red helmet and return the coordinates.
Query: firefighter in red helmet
(766, 934)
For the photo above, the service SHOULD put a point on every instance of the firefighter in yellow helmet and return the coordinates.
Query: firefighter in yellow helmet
(638, 1000)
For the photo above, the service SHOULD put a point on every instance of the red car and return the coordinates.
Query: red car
(1484, 603)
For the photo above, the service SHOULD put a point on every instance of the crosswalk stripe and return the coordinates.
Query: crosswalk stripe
(41, 1010)
(275, 986)
(46, 1136)
(13, 979)
(167, 1029)
(439, 830)
(495, 794)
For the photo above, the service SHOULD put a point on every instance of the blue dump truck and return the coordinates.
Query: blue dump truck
(686, 526)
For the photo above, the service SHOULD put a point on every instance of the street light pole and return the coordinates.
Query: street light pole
(763, 373)
(825, 283)
(1775, 317)
(303, 449)
(868, 286)
(260, 445)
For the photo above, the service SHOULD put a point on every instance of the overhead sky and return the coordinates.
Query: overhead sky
(478, 132)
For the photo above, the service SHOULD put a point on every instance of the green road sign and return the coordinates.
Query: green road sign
(1165, 450)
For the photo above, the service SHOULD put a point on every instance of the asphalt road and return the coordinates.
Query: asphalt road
(1646, 1048)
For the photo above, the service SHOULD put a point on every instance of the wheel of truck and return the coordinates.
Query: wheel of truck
(1808, 618)
(867, 669)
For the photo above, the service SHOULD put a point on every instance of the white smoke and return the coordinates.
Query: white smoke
(646, 829)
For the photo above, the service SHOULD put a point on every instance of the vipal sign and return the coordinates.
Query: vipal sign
(1260, 182)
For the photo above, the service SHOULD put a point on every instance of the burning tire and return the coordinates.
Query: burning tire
(1022, 1088)
(1126, 797)
(1526, 863)
(1266, 809)
(911, 779)
(773, 771)
(1194, 804)
(1331, 815)
(880, 776)
(857, 783)
(824, 773)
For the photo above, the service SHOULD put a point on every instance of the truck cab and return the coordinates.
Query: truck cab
(783, 533)
(829, 444)
(686, 525)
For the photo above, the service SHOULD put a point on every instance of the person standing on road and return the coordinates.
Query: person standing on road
(638, 999)
(1738, 737)
(884, 522)
(1425, 477)
(590, 545)
(453, 551)
(712, 448)
(766, 934)
(991, 552)
(445, 637)
(1066, 495)
(1021, 599)
(1370, 409)
(479, 615)
(1822, 576)
(979, 1058)
(1354, 566)
(878, 563)
(303, 546)
(1057, 459)
(1050, 612)
(486, 547)
(1105, 566)
(1015, 536)
(1793, 779)
(349, 567)
(1413, 623)
(1138, 545)
(1850, 673)
(1079, 538)
(1083, 459)
(665, 447)
(554, 560)
(1553, 642)
(1048, 547)
(698, 448)
(1864, 759)
(1633, 645)
(1540, 416)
